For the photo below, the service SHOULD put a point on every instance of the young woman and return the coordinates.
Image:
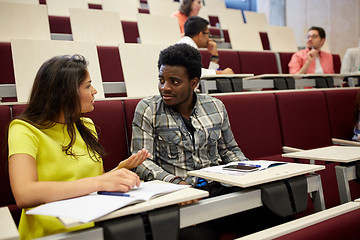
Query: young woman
(187, 9)
(54, 152)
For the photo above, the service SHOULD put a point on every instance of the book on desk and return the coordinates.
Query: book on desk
(90, 207)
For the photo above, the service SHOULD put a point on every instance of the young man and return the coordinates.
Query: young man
(312, 59)
(183, 131)
(197, 35)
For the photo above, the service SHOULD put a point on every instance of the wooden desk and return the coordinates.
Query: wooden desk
(8, 228)
(341, 154)
(250, 197)
(251, 179)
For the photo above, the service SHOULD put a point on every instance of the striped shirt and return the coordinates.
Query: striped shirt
(162, 131)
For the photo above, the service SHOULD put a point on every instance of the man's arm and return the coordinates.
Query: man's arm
(143, 138)
(296, 65)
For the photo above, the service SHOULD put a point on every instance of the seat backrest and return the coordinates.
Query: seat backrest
(256, 18)
(281, 39)
(162, 8)
(258, 62)
(6, 197)
(127, 9)
(139, 64)
(230, 17)
(254, 123)
(285, 58)
(265, 40)
(62, 8)
(341, 107)
(109, 118)
(152, 29)
(23, 21)
(129, 106)
(60, 25)
(337, 63)
(131, 31)
(245, 37)
(6, 64)
(88, 25)
(226, 59)
(304, 119)
(29, 55)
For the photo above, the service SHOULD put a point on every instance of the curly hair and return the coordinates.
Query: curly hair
(182, 54)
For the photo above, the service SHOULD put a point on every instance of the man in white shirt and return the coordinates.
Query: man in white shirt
(197, 35)
(351, 61)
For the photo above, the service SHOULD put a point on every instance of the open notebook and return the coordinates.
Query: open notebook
(257, 164)
(90, 207)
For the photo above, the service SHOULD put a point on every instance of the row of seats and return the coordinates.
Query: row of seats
(112, 68)
(262, 124)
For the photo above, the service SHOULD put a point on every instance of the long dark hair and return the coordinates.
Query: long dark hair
(56, 91)
(185, 7)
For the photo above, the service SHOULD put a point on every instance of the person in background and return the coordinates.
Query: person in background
(312, 59)
(187, 9)
(53, 150)
(197, 35)
(351, 62)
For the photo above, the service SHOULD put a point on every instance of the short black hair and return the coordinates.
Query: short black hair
(182, 54)
(194, 25)
(320, 30)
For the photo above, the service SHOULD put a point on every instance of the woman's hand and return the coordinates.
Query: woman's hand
(118, 180)
(134, 160)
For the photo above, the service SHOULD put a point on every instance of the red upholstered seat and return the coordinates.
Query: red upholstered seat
(305, 124)
(255, 124)
(6, 197)
(213, 20)
(95, 6)
(227, 59)
(216, 32)
(131, 31)
(341, 106)
(60, 24)
(284, 61)
(265, 40)
(129, 106)
(7, 75)
(258, 62)
(110, 67)
(109, 118)
(304, 119)
(344, 226)
(337, 63)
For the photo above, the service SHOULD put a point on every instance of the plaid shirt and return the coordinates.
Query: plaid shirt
(162, 131)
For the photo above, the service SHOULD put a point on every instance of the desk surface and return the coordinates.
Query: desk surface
(228, 76)
(266, 76)
(271, 174)
(176, 197)
(344, 154)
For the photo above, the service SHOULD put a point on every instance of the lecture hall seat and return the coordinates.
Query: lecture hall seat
(258, 62)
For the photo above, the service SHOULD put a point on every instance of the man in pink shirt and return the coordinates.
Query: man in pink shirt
(312, 59)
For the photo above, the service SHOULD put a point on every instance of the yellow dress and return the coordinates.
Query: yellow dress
(45, 145)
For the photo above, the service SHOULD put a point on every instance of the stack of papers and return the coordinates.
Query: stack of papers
(90, 207)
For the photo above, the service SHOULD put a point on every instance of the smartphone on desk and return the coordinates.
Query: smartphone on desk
(242, 168)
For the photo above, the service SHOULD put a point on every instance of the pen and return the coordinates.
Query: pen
(113, 193)
(251, 165)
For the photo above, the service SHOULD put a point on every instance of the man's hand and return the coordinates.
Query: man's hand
(212, 48)
(225, 71)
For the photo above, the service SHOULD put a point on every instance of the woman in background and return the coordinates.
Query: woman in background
(187, 9)
(54, 152)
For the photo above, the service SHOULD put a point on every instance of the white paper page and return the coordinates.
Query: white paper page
(85, 209)
(149, 189)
